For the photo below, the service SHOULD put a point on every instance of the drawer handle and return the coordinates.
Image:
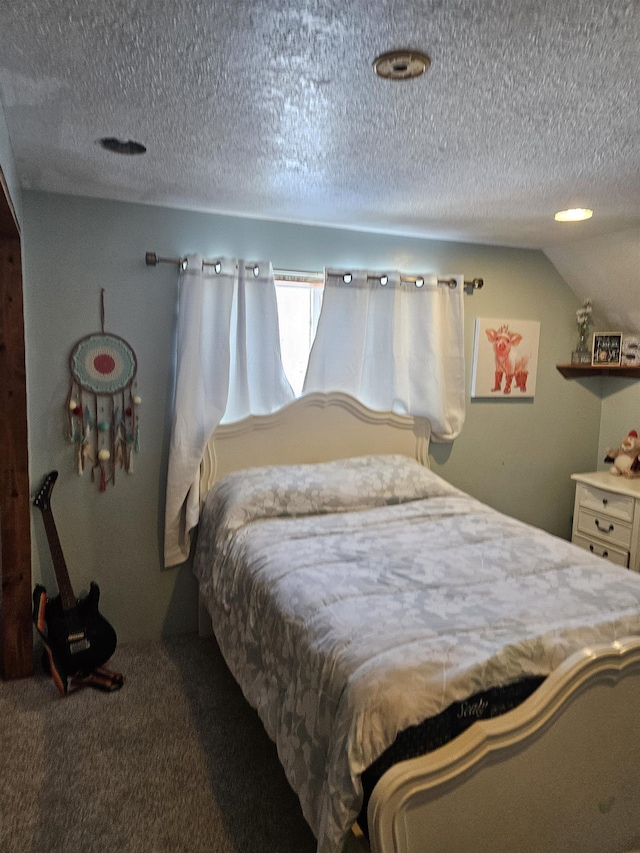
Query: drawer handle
(593, 551)
(605, 501)
(601, 529)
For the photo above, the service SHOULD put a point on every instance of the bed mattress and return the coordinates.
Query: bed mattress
(354, 600)
(437, 731)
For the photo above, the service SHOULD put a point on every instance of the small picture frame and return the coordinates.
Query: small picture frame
(607, 349)
(630, 351)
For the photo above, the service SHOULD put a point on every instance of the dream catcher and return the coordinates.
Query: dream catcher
(102, 404)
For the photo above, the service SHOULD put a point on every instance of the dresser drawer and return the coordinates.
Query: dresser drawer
(600, 500)
(605, 528)
(614, 555)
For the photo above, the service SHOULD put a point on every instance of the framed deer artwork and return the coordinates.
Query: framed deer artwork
(505, 358)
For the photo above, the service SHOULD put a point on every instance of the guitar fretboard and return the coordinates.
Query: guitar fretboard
(67, 596)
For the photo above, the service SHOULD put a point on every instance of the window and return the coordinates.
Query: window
(299, 297)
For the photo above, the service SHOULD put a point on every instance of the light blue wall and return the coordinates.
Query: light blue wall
(8, 166)
(515, 455)
(620, 414)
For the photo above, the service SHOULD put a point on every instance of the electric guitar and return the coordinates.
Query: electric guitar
(78, 639)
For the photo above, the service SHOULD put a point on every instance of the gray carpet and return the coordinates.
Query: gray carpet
(175, 761)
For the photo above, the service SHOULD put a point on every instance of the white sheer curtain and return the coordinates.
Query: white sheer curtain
(395, 347)
(228, 367)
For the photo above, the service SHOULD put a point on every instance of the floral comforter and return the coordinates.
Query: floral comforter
(353, 599)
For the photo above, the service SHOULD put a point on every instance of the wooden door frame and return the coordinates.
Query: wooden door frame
(16, 630)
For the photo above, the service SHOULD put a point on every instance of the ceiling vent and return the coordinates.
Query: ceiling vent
(401, 64)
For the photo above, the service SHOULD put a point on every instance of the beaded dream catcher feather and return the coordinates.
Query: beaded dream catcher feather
(102, 404)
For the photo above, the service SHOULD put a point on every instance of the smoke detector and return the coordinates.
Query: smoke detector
(401, 64)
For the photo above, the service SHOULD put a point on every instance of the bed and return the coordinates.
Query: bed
(357, 596)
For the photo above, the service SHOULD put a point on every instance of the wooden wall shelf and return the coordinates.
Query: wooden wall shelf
(582, 371)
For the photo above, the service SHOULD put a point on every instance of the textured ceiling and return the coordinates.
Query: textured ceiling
(271, 109)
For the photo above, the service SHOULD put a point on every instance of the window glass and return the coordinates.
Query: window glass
(298, 311)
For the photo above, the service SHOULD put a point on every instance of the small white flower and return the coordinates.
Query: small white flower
(583, 314)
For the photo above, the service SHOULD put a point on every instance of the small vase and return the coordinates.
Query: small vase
(582, 353)
(583, 341)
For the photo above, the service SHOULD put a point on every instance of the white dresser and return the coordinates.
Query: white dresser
(606, 517)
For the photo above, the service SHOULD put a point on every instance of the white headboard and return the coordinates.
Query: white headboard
(313, 428)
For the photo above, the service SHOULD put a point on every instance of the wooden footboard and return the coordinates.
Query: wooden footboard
(559, 773)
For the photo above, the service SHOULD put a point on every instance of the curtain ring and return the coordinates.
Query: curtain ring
(217, 267)
(347, 277)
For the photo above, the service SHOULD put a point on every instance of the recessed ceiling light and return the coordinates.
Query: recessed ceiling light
(401, 64)
(121, 146)
(574, 214)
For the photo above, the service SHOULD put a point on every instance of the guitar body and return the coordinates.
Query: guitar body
(80, 639)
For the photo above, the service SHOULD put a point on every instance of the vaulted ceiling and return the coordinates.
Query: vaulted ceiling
(271, 109)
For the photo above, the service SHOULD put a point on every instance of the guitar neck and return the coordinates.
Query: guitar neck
(67, 596)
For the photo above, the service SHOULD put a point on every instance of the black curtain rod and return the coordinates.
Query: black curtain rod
(152, 260)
